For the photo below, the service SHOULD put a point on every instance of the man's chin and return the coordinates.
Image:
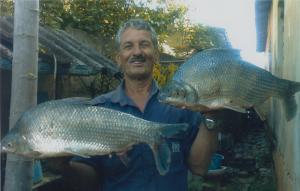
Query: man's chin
(139, 76)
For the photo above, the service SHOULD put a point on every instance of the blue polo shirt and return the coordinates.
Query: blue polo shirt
(140, 174)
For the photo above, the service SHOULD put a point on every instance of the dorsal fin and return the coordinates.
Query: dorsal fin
(223, 52)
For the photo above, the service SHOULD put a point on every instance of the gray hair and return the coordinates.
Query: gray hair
(138, 24)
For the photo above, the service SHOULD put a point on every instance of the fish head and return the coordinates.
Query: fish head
(16, 143)
(178, 93)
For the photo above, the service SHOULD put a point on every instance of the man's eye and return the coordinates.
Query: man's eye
(144, 45)
(126, 47)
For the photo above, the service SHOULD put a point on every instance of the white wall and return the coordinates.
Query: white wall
(285, 63)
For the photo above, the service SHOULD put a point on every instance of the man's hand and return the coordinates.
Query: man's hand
(123, 156)
(217, 116)
(81, 176)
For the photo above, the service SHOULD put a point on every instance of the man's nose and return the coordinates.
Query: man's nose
(137, 50)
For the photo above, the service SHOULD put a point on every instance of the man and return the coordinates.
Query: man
(137, 46)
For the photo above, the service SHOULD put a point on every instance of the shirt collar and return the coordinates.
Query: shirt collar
(119, 95)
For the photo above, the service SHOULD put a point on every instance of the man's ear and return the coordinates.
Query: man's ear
(156, 56)
(118, 59)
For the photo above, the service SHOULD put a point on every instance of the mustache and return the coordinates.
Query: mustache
(139, 58)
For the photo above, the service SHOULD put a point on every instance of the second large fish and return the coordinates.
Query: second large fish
(218, 78)
(64, 127)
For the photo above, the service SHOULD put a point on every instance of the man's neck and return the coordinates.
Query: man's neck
(138, 91)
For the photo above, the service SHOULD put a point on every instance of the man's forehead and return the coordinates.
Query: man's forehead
(132, 34)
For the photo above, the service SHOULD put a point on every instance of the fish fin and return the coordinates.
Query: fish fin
(201, 107)
(235, 108)
(72, 152)
(161, 150)
(162, 156)
(125, 159)
(227, 53)
(198, 107)
(287, 94)
(35, 154)
(290, 107)
(262, 110)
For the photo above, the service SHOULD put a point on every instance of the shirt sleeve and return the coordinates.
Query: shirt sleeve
(193, 119)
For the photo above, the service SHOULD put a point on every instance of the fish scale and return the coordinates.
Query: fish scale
(75, 127)
(214, 79)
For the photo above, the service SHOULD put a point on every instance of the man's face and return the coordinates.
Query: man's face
(137, 54)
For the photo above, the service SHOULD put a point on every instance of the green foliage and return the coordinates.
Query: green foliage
(103, 83)
(52, 13)
(102, 18)
(195, 183)
(6, 7)
(163, 73)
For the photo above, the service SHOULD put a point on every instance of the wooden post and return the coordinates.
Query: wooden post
(18, 174)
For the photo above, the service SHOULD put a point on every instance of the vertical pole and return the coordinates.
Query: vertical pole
(18, 174)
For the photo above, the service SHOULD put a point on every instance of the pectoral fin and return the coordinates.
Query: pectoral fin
(74, 152)
(34, 154)
(125, 159)
(262, 110)
(290, 107)
(235, 108)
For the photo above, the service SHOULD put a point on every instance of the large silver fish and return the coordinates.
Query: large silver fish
(218, 78)
(64, 127)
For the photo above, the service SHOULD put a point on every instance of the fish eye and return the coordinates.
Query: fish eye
(9, 145)
(180, 93)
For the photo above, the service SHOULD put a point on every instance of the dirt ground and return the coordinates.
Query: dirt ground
(248, 164)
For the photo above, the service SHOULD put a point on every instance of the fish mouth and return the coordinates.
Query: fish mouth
(165, 98)
(169, 100)
(178, 93)
(29, 155)
(5, 149)
(162, 97)
(173, 102)
(6, 146)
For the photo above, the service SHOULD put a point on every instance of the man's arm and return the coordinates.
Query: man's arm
(203, 147)
(82, 176)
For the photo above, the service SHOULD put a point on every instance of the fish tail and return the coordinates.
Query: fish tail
(295, 86)
(290, 104)
(162, 156)
(160, 148)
